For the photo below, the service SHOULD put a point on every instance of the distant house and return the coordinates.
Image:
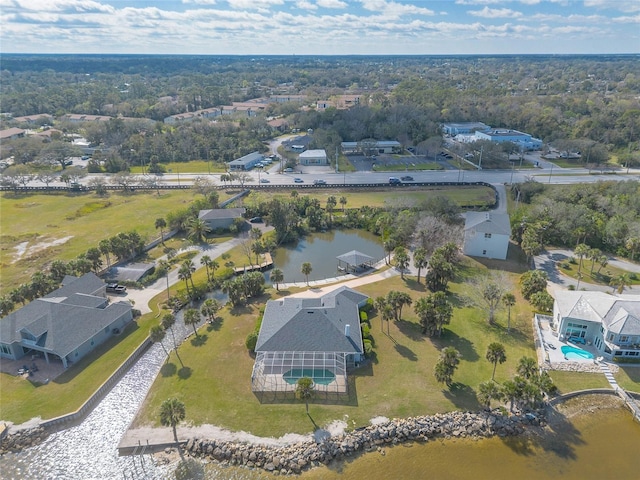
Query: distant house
(487, 235)
(610, 323)
(246, 162)
(11, 133)
(220, 217)
(454, 129)
(80, 117)
(34, 118)
(309, 337)
(68, 323)
(313, 157)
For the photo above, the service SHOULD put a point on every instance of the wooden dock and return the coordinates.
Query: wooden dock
(266, 265)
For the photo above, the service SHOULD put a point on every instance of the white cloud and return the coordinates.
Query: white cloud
(306, 5)
(64, 5)
(394, 9)
(622, 5)
(487, 12)
(253, 4)
(332, 4)
(200, 2)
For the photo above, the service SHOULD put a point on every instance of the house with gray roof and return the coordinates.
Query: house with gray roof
(220, 217)
(318, 338)
(608, 322)
(245, 163)
(487, 234)
(65, 324)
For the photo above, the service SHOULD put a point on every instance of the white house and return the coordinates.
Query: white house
(246, 163)
(610, 323)
(454, 129)
(313, 157)
(486, 234)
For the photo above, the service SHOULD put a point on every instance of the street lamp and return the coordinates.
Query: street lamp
(513, 166)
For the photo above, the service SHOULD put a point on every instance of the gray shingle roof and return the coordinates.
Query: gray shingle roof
(488, 222)
(66, 318)
(218, 213)
(355, 258)
(312, 324)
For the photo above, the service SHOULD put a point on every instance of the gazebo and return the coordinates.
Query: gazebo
(354, 261)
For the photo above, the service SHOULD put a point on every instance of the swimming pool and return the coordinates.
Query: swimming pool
(319, 376)
(573, 353)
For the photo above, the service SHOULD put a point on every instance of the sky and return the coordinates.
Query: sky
(320, 27)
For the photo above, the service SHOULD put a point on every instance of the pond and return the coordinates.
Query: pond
(321, 250)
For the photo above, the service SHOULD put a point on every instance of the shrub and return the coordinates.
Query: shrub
(367, 307)
(368, 346)
(251, 341)
(366, 331)
(571, 287)
(364, 317)
(572, 261)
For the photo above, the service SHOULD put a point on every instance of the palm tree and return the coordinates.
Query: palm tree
(488, 391)
(192, 317)
(210, 308)
(402, 259)
(420, 260)
(185, 274)
(105, 249)
(188, 265)
(509, 300)
(206, 261)
(593, 255)
(496, 354)
(276, 276)
(446, 366)
(306, 270)
(527, 367)
(379, 303)
(305, 390)
(633, 245)
(603, 261)
(165, 267)
(620, 282)
(387, 314)
(156, 335)
(343, 202)
(197, 230)
(581, 250)
(168, 321)
(172, 412)
(161, 224)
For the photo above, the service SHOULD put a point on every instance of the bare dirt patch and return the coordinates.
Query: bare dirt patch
(25, 249)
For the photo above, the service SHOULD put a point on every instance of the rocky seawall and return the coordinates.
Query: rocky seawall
(293, 459)
(21, 439)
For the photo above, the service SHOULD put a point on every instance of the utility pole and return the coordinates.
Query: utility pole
(337, 159)
(550, 172)
(480, 161)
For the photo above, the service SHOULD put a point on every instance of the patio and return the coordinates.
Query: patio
(42, 374)
(552, 344)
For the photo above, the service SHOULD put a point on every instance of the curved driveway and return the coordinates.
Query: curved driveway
(548, 261)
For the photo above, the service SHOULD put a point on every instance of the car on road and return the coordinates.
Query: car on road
(115, 288)
(264, 180)
(255, 220)
(288, 170)
(407, 178)
(319, 182)
(298, 180)
(394, 181)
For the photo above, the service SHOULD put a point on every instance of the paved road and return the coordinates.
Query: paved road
(549, 260)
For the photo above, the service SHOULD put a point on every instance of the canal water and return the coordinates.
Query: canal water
(321, 250)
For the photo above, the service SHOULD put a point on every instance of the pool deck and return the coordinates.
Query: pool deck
(552, 345)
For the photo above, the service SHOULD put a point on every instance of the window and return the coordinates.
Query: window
(624, 338)
(632, 354)
(5, 349)
(618, 353)
(484, 252)
(611, 337)
(487, 235)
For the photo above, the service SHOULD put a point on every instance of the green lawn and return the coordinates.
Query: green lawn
(193, 166)
(215, 383)
(629, 378)
(39, 228)
(408, 168)
(572, 381)
(591, 275)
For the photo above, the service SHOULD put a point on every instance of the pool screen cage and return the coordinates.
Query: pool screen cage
(279, 371)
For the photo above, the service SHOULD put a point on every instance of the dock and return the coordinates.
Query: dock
(266, 265)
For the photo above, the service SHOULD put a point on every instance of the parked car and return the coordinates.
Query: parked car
(288, 170)
(298, 180)
(264, 180)
(319, 182)
(407, 178)
(394, 181)
(115, 288)
(255, 220)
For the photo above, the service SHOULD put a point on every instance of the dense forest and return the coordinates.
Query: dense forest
(555, 98)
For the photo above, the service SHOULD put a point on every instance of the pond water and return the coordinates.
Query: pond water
(321, 250)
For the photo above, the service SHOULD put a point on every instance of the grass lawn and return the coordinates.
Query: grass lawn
(602, 278)
(399, 382)
(193, 166)
(38, 228)
(572, 381)
(463, 196)
(629, 378)
(408, 168)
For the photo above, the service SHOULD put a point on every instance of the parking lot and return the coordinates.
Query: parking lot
(366, 164)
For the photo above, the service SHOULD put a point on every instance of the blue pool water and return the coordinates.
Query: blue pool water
(573, 353)
(321, 377)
